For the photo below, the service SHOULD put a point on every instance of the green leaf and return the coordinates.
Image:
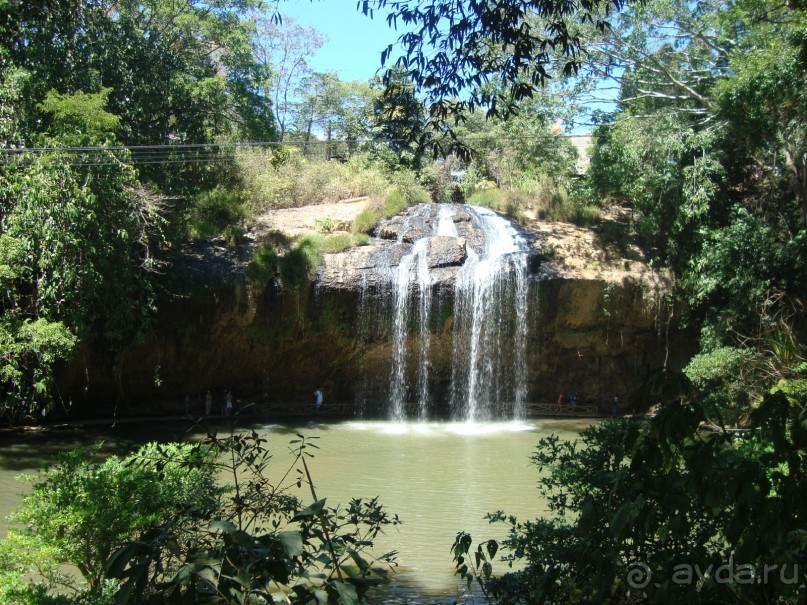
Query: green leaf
(626, 514)
(347, 593)
(292, 542)
(313, 510)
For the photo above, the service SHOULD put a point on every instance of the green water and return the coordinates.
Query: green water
(439, 478)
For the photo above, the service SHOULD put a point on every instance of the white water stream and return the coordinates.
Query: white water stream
(489, 368)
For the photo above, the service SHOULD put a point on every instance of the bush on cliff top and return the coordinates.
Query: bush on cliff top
(396, 201)
(299, 181)
(298, 266)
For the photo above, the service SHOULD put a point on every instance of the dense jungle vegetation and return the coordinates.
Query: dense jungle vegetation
(121, 130)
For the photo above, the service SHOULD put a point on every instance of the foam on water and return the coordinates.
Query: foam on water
(434, 429)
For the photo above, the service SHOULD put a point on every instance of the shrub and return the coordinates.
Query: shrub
(408, 184)
(439, 180)
(155, 528)
(337, 243)
(540, 197)
(264, 265)
(634, 506)
(261, 542)
(211, 212)
(325, 225)
(511, 203)
(366, 220)
(298, 266)
(81, 510)
(299, 181)
(586, 215)
(394, 203)
(233, 235)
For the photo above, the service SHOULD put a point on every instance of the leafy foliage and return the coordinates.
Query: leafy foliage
(453, 49)
(706, 146)
(154, 62)
(81, 510)
(214, 210)
(156, 527)
(635, 507)
(77, 243)
(261, 542)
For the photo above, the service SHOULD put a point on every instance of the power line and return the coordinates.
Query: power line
(198, 153)
(179, 147)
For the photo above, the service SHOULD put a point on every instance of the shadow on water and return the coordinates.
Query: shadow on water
(24, 450)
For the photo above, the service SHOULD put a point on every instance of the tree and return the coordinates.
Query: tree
(78, 241)
(400, 118)
(335, 110)
(282, 49)
(454, 48)
(709, 145)
(176, 71)
(521, 147)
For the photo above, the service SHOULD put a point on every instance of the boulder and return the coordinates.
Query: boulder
(446, 251)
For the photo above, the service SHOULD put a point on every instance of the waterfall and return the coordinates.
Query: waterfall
(445, 222)
(425, 299)
(488, 362)
(412, 269)
(489, 367)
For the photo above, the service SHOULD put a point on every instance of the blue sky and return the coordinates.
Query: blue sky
(354, 42)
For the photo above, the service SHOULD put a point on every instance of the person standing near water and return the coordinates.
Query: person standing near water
(208, 402)
(560, 402)
(615, 407)
(317, 399)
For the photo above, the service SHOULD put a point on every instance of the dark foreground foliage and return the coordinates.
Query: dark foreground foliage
(212, 522)
(669, 510)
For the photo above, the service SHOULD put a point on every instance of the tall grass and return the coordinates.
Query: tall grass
(299, 181)
(539, 197)
(215, 212)
(396, 201)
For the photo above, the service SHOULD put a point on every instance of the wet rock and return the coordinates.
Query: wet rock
(389, 229)
(446, 251)
(418, 228)
(461, 214)
(413, 224)
(471, 233)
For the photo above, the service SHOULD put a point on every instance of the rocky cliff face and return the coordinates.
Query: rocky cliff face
(596, 321)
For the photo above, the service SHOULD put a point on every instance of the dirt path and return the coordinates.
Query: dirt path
(308, 219)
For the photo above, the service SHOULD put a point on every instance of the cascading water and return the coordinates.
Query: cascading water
(402, 278)
(445, 223)
(489, 369)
